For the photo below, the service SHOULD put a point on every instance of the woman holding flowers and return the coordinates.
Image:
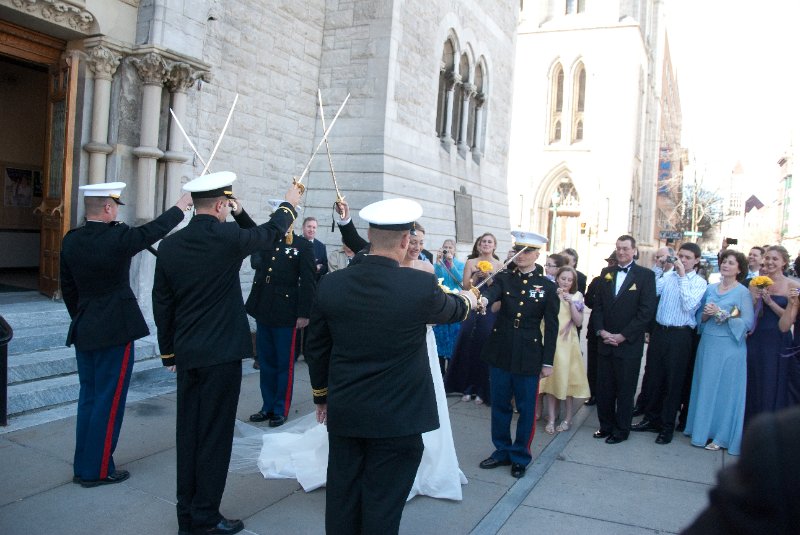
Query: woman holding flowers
(467, 373)
(767, 346)
(716, 409)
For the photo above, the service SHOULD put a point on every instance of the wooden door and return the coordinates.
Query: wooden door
(56, 203)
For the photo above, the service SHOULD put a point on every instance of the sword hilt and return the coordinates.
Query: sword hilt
(300, 185)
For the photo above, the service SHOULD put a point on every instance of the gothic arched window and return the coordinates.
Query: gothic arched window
(578, 100)
(556, 102)
(446, 74)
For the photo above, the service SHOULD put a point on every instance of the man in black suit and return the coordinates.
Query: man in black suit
(320, 252)
(370, 373)
(280, 301)
(591, 337)
(95, 261)
(203, 332)
(624, 307)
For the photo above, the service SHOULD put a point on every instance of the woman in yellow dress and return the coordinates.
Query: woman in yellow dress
(568, 380)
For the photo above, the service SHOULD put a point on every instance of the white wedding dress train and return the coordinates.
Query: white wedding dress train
(300, 449)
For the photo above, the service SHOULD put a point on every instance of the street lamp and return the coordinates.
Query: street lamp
(554, 204)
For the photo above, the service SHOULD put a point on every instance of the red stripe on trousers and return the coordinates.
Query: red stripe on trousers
(287, 401)
(113, 415)
(533, 427)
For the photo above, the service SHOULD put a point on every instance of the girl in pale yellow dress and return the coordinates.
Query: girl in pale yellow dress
(568, 380)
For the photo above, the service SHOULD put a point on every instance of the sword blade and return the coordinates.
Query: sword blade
(221, 135)
(324, 138)
(186, 137)
(507, 262)
(328, 147)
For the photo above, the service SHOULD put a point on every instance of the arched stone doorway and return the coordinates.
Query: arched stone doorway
(563, 211)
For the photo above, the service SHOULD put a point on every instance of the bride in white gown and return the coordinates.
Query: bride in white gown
(300, 450)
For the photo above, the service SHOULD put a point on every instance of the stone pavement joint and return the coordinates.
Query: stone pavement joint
(508, 504)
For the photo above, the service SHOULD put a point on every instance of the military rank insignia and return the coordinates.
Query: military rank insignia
(537, 291)
(291, 251)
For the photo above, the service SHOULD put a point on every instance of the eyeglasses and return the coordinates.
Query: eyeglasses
(550, 265)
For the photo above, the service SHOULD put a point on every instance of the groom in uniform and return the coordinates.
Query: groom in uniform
(624, 307)
(370, 374)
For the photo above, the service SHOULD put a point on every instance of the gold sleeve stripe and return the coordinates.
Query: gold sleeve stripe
(319, 392)
(469, 306)
(168, 356)
(288, 212)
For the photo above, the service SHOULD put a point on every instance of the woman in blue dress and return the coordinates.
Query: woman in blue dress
(768, 349)
(449, 270)
(716, 409)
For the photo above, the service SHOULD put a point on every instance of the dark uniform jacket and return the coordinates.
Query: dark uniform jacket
(366, 349)
(197, 295)
(628, 313)
(95, 283)
(284, 283)
(516, 344)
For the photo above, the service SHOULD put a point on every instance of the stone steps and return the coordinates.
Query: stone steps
(42, 372)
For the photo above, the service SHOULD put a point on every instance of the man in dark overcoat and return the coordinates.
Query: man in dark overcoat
(624, 307)
(370, 373)
(517, 351)
(203, 331)
(106, 319)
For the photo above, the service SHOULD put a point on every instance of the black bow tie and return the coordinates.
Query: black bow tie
(624, 269)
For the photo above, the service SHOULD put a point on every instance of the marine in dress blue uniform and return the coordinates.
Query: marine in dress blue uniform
(280, 301)
(203, 331)
(95, 265)
(370, 373)
(517, 350)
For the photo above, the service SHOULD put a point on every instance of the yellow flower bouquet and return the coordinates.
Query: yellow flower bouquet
(485, 266)
(762, 281)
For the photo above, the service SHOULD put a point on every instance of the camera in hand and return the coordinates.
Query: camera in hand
(732, 241)
(671, 259)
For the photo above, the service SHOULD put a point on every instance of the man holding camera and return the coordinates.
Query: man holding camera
(680, 292)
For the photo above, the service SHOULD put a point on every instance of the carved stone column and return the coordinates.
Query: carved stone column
(152, 70)
(180, 78)
(468, 91)
(103, 63)
(451, 79)
(480, 99)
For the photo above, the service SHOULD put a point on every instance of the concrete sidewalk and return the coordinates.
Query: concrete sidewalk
(576, 484)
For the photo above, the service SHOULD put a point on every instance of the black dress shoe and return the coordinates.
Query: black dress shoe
(601, 434)
(491, 462)
(277, 421)
(646, 425)
(664, 438)
(261, 416)
(615, 439)
(638, 411)
(117, 477)
(590, 401)
(226, 526)
(517, 470)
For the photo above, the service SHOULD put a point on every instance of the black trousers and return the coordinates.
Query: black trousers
(591, 361)
(206, 412)
(667, 360)
(687, 382)
(616, 386)
(368, 482)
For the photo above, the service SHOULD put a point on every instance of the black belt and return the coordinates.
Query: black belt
(667, 327)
